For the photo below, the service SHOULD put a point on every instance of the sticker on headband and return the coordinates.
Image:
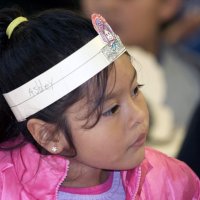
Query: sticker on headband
(114, 46)
(103, 29)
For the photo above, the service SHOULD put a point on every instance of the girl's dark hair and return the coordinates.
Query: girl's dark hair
(35, 46)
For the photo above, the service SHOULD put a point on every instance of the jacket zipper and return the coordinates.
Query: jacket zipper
(139, 174)
(63, 178)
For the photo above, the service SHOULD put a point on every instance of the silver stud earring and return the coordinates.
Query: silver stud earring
(54, 149)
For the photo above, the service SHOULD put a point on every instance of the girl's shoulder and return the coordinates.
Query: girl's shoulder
(164, 163)
(169, 170)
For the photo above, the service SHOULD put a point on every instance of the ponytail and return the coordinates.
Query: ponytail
(6, 17)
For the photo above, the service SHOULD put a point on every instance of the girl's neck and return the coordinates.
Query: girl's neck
(80, 176)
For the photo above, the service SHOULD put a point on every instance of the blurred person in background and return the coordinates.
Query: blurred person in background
(141, 26)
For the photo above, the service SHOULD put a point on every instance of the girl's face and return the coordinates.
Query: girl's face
(117, 140)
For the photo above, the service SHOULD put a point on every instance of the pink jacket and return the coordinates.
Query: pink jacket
(27, 175)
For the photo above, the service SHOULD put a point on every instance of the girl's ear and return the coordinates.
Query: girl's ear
(168, 9)
(45, 135)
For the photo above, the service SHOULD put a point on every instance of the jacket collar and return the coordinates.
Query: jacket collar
(133, 179)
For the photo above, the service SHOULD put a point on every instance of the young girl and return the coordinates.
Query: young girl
(73, 120)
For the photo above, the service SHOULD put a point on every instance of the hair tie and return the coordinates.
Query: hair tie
(14, 24)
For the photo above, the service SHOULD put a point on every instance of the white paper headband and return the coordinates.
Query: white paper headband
(68, 74)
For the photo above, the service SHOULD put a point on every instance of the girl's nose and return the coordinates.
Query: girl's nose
(136, 112)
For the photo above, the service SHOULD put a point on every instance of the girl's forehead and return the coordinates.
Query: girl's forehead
(122, 74)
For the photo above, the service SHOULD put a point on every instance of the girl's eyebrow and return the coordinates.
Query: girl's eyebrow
(134, 76)
(115, 94)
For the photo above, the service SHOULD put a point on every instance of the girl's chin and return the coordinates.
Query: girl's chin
(134, 160)
(137, 157)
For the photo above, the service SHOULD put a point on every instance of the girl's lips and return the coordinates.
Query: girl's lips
(139, 141)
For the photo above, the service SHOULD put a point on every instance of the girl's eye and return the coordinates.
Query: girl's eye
(111, 111)
(135, 91)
